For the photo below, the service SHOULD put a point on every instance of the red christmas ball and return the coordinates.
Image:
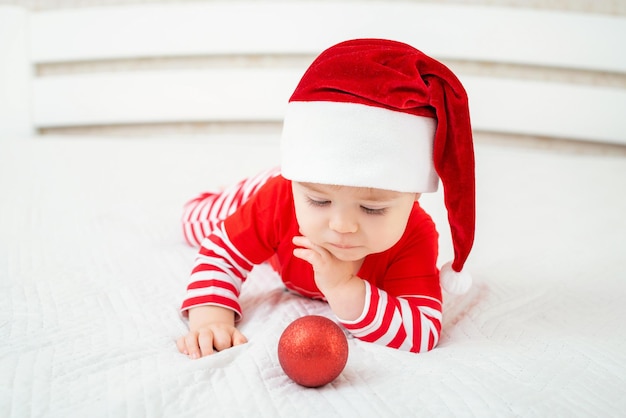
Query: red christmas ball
(313, 351)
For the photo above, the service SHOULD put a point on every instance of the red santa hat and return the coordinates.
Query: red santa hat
(379, 113)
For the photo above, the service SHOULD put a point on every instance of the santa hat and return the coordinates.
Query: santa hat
(379, 113)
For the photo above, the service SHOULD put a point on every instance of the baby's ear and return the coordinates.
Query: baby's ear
(417, 196)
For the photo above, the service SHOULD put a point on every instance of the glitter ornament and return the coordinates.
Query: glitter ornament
(313, 351)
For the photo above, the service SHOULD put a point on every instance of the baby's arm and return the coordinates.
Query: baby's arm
(210, 328)
(212, 297)
(409, 323)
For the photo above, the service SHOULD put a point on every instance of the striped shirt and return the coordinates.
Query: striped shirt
(254, 221)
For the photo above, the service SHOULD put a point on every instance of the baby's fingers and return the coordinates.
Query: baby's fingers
(221, 339)
(239, 338)
(182, 346)
(195, 344)
(301, 241)
(206, 341)
(226, 338)
(304, 254)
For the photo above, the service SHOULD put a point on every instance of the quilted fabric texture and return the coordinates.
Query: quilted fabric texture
(93, 268)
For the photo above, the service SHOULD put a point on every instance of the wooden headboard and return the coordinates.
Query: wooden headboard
(527, 72)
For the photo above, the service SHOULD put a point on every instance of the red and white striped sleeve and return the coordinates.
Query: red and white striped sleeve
(408, 323)
(202, 213)
(218, 274)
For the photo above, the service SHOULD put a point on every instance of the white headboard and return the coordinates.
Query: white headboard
(527, 72)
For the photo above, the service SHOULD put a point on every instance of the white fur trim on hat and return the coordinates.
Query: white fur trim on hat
(357, 145)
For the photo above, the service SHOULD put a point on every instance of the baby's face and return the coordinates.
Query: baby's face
(351, 222)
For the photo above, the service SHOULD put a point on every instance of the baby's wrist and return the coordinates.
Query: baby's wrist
(341, 287)
(205, 315)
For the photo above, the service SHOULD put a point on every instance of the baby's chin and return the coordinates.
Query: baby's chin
(352, 254)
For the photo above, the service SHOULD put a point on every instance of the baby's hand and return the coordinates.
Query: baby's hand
(337, 279)
(212, 329)
(330, 272)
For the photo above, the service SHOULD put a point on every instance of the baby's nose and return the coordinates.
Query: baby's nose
(343, 223)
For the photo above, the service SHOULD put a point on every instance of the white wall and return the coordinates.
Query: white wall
(15, 73)
(16, 118)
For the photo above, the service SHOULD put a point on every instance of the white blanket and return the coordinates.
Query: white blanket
(93, 269)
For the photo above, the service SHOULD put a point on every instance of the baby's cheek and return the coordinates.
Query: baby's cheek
(310, 228)
(303, 217)
(387, 239)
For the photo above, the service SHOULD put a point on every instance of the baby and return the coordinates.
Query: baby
(372, 124)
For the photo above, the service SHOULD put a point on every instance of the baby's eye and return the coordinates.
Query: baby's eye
(372, 211)
(318, 203)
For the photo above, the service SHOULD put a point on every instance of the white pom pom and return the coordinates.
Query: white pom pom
(454, 282)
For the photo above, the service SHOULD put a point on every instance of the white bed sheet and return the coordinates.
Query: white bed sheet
(93, 270)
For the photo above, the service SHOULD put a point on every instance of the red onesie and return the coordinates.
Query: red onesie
(255, 221)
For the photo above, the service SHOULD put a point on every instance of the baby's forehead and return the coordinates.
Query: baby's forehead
(364, 193)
